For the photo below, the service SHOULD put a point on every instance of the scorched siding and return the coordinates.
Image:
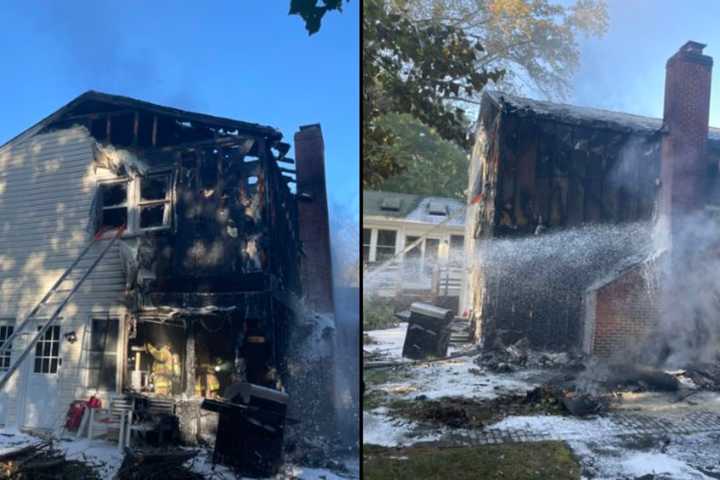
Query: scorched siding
(47, 185)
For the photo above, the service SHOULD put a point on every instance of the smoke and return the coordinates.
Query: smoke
(689, 304)
(97, 51)
(344, 241)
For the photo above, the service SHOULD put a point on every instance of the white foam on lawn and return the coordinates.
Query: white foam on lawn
(560, 427)
(645, 463)
(381, 429)
(101, 455)
(388, 342)
(461, 377)
(13, 439)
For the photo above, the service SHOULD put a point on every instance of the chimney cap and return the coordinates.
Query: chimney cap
(691, 52)
(693, 47)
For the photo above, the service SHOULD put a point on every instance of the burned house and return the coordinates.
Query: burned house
(134, 235)
(543, 175)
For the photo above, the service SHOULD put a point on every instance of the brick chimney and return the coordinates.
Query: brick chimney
(316, 267)
(685, 121)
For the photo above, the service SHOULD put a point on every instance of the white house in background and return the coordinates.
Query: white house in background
(392, 222)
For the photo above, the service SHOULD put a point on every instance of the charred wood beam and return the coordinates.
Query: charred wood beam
(154, 130)
(220, 179)
(287, 170)
(225, 141)
(136, 128)
(190, 367)
(96, 116)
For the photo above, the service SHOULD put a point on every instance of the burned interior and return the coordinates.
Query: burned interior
(206, 214)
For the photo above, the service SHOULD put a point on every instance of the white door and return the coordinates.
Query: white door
(6, 329)
(42, 368)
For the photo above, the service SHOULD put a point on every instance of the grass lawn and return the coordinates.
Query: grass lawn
(538, 461)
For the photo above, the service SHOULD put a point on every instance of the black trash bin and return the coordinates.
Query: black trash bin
(428, 333)
(251, 427)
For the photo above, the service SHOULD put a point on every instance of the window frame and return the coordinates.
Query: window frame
(366, 247)
(384, 246)
(42, 356)
(115, 181)
(7, 326)
(167, 201)
(134, 202)
(114, 351)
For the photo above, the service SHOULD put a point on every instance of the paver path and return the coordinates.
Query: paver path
(539, 428)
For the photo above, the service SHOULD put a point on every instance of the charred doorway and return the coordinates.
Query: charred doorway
(218, 356)
(156, 356)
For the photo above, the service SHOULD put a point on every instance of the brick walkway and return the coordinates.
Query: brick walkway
(613, 425)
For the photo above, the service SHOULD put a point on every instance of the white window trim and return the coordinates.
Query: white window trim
(168, 200)
(50, 357)
(7, 322)
(374, 241)
(134, 202)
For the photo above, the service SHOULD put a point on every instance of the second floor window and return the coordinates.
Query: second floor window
(142, 203)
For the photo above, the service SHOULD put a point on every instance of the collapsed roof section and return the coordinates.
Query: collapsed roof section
(171, 123)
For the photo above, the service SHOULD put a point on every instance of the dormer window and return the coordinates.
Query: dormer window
(437, 209)
(390, 204)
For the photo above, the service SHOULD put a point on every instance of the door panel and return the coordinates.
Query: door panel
(42, 371)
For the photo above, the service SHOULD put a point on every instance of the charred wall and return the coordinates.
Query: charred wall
(224, 248)
(552, 176)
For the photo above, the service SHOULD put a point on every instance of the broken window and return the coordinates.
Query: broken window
(366, 236)
(154, 203)
(385, 248)
(5, 332)
(114, 204)
(102, 359)
(47, 351)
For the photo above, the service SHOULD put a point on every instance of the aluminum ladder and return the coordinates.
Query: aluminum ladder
(54, 301)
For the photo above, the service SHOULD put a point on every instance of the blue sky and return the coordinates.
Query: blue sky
(243, 59)
(625, 70)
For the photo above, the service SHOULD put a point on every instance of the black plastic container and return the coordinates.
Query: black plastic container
(428, 333)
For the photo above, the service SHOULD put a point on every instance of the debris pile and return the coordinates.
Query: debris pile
(704, 376)
(460, 412)
(149, 464)
(507, 358)
(42, 460)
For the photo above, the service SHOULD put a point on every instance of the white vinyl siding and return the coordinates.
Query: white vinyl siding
(47, 186)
